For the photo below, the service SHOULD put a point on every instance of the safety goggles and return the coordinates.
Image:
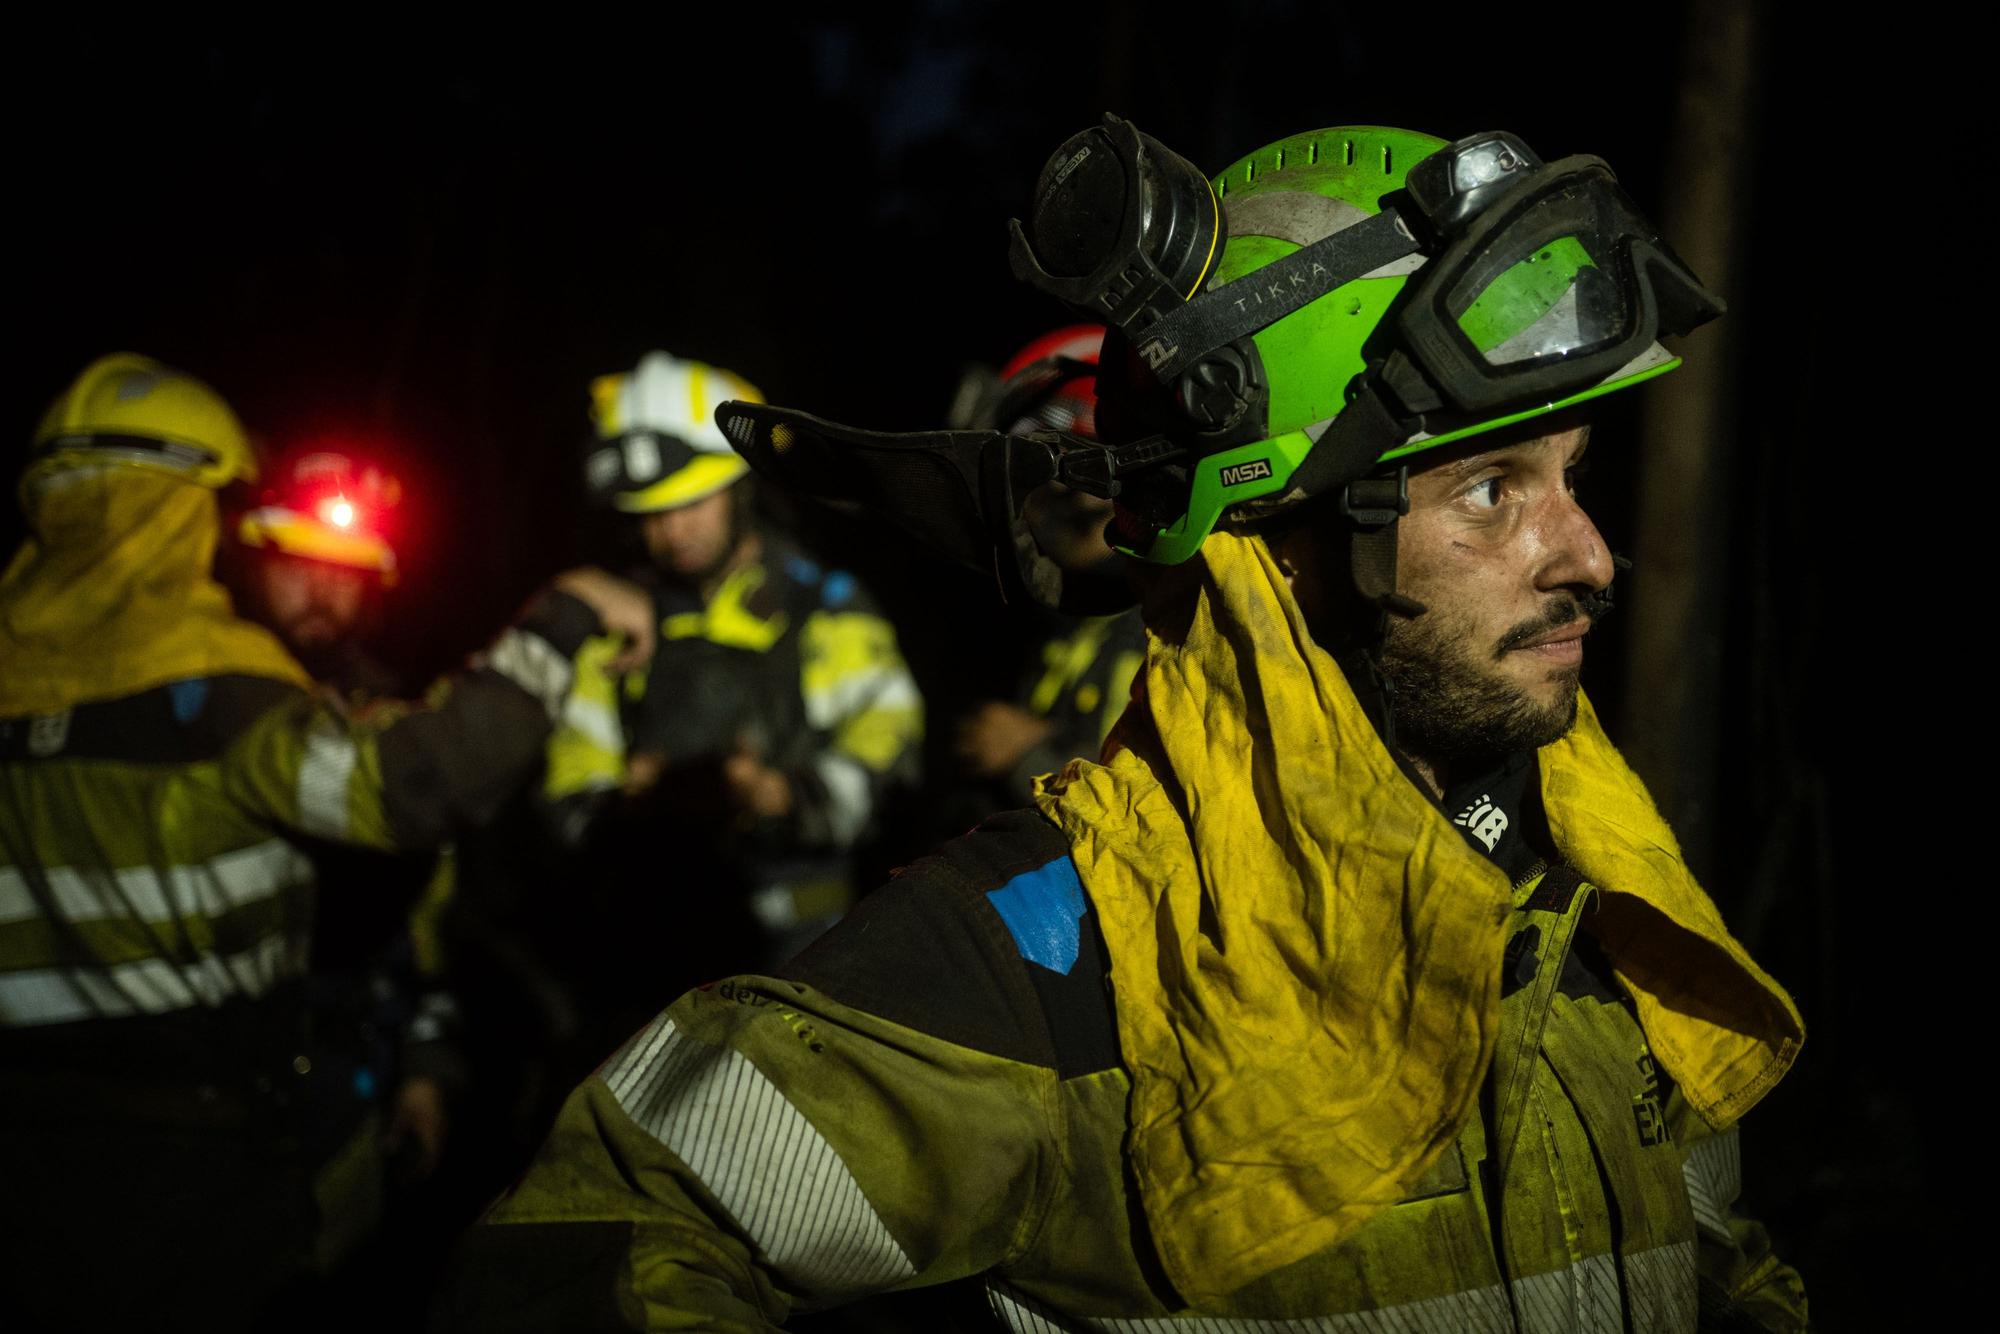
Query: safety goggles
(1535, 281)
(1551, 282)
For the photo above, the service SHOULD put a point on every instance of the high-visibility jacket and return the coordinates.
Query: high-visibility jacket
(154, 847)
(935, 1092)
(787, 660)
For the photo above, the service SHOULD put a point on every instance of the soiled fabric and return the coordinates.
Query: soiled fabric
(112, 593)
(1306, 954)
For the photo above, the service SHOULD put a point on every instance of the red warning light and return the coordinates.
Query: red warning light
(338, 511)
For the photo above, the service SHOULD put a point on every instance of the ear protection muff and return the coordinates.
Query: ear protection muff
(1124, 229)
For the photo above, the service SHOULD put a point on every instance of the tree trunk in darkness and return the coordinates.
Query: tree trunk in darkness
(1689, 438)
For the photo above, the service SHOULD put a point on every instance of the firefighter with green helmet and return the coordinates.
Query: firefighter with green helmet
(1359, 984)
(762, 737)
(166, 771)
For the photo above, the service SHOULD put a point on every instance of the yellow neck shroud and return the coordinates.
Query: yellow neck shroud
(112, 594)
(1306, 955)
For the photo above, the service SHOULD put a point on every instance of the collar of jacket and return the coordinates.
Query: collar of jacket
(1306, 955)
(113, 593)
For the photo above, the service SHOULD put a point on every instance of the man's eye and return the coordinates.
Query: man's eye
(1485, 495)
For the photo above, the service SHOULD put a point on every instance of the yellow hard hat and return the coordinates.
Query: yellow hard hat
(129, 411)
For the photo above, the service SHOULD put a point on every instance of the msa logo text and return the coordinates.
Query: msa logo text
(1246, 472)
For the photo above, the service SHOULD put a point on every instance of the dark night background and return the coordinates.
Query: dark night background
(426, 247)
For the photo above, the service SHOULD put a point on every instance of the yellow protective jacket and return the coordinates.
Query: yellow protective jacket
(165, 767)
(934, 1092)
(952, 1083)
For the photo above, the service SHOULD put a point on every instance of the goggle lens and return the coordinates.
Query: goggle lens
(1556, 302)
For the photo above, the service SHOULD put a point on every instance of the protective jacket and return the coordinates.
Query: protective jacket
(787, 661)
(935, 1092)
(1049, 1056)
(155, 846)
(165, 774)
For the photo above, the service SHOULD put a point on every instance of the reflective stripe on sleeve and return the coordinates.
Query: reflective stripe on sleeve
(1660, 1286)
(147, 986)
(595, 721)
(533, 664)
(782, 1184)
(879, 686)
(1714, 1176)
(158, 894)
(1582, 1297)
(324, 771)
(848, 796)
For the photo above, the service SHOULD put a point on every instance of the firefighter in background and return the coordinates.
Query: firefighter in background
(317, 557)
(1081, 669)
(778, 710)
(165, 767)
(311, 562)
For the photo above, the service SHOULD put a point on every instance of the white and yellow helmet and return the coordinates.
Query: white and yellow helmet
(657, 446)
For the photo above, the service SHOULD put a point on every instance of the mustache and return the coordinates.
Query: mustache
(1560, 610)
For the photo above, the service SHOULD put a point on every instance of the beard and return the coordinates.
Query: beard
(1451, 701)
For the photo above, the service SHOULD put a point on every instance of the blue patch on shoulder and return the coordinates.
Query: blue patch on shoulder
(839, 590)
(804, 569)
(1042, 909)
(188, 697)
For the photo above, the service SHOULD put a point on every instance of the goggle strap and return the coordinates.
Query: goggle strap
(1364, 431)
(1374, 505)
(1257, 300)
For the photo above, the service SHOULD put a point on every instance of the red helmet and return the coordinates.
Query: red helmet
(327, 506)
(1051, 384)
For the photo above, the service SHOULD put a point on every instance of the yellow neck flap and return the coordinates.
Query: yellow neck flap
(1305, 954)
(112, 594)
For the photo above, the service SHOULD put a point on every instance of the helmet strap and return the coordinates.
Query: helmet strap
(1372, 505)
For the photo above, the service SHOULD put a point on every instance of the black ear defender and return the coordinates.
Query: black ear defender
(1126, 231)
(1123, 229)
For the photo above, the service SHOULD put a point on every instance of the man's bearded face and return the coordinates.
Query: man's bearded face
(1452, 697)
(313, 606)
(1513, 573)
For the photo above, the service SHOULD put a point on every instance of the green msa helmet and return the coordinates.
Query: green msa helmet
(1330, 304)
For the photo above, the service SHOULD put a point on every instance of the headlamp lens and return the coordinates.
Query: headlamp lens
(1482, 164)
